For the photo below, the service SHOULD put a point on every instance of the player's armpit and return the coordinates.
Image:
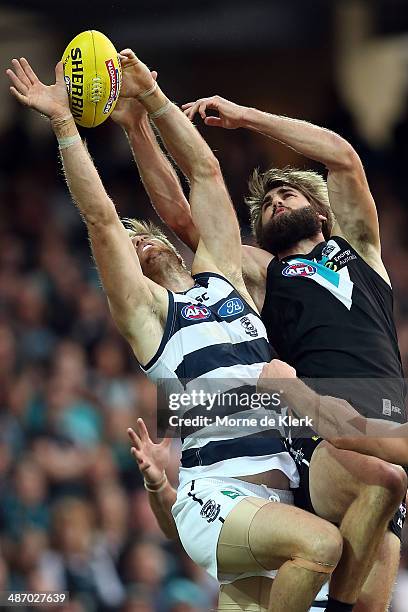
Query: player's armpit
(255, 262)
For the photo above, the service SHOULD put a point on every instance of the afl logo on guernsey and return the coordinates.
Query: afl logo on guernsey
(195, 312)
(231, 307)
(299, 269)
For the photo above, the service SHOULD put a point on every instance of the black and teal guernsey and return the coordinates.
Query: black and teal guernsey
(214, 341)
(330, 315)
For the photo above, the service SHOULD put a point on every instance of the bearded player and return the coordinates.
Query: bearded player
(226, 511)
(292, 218)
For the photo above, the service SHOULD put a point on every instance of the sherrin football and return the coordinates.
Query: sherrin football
(93, 76)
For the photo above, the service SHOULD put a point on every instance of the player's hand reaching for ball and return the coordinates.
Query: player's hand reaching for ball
(50, 100)
(129, 112)
(136, 76)
(152, 458)
(230, 115)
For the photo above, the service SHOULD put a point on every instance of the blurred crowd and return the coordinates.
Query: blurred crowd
(74, 514)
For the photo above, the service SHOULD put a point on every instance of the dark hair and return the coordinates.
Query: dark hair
(311, 184)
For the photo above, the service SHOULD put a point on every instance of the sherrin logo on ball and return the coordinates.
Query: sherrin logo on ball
(93, 76)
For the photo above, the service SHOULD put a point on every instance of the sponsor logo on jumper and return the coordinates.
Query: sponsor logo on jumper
(402, 513)
(344, 257)
(331, 265)
(249, 327)
(210, 510)
(231, 307)
(114, 85)
(389, 408)
(195, 312)
(297, 455)
(386, 407)
(232, 494)
(203, 297)
(328, 249)
(299, 269)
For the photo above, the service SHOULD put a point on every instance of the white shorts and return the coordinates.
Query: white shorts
(200, 510)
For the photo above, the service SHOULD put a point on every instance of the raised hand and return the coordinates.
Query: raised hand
(49, 100)
(230, 115)
(129, 111)
(152, 458)
(136, 76)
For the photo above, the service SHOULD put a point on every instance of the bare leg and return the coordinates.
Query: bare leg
(377, 589)
(259, 535)
(362, 494)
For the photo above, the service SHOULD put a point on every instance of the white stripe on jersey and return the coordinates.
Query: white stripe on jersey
(187, 339)
(206, 333)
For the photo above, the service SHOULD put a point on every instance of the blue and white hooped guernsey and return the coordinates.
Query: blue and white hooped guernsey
(213, 340)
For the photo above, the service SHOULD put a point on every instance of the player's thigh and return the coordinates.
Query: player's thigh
(377, 590)
(271, 533)
(337, 476)
(245, 595)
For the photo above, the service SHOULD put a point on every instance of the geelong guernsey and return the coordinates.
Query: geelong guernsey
(330, 315)
(213, 340)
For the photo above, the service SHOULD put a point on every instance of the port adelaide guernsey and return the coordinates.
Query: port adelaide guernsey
(330, 315)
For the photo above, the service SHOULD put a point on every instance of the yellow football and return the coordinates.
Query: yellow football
(93, 76)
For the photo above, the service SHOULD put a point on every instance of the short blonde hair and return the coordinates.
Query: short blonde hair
(135, 227)
(311, 184)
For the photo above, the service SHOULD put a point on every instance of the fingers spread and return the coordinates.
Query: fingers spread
(28, 70)
(134, 438)
(142, 430)
(18, 84)
(19, 96)
(138, 456)
(20, 72)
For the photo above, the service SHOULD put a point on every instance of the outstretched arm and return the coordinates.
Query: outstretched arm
(349, 194)
(211, 207)
(156, 171)
(335, 419)
(152, 460)
(130, 294)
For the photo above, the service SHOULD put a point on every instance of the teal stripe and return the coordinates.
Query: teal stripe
(330, 275)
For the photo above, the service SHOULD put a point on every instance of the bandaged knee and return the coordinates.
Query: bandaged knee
(313, 566)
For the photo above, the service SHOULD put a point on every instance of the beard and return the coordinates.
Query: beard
(287, 229)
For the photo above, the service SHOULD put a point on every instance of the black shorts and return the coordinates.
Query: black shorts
(301, 450)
